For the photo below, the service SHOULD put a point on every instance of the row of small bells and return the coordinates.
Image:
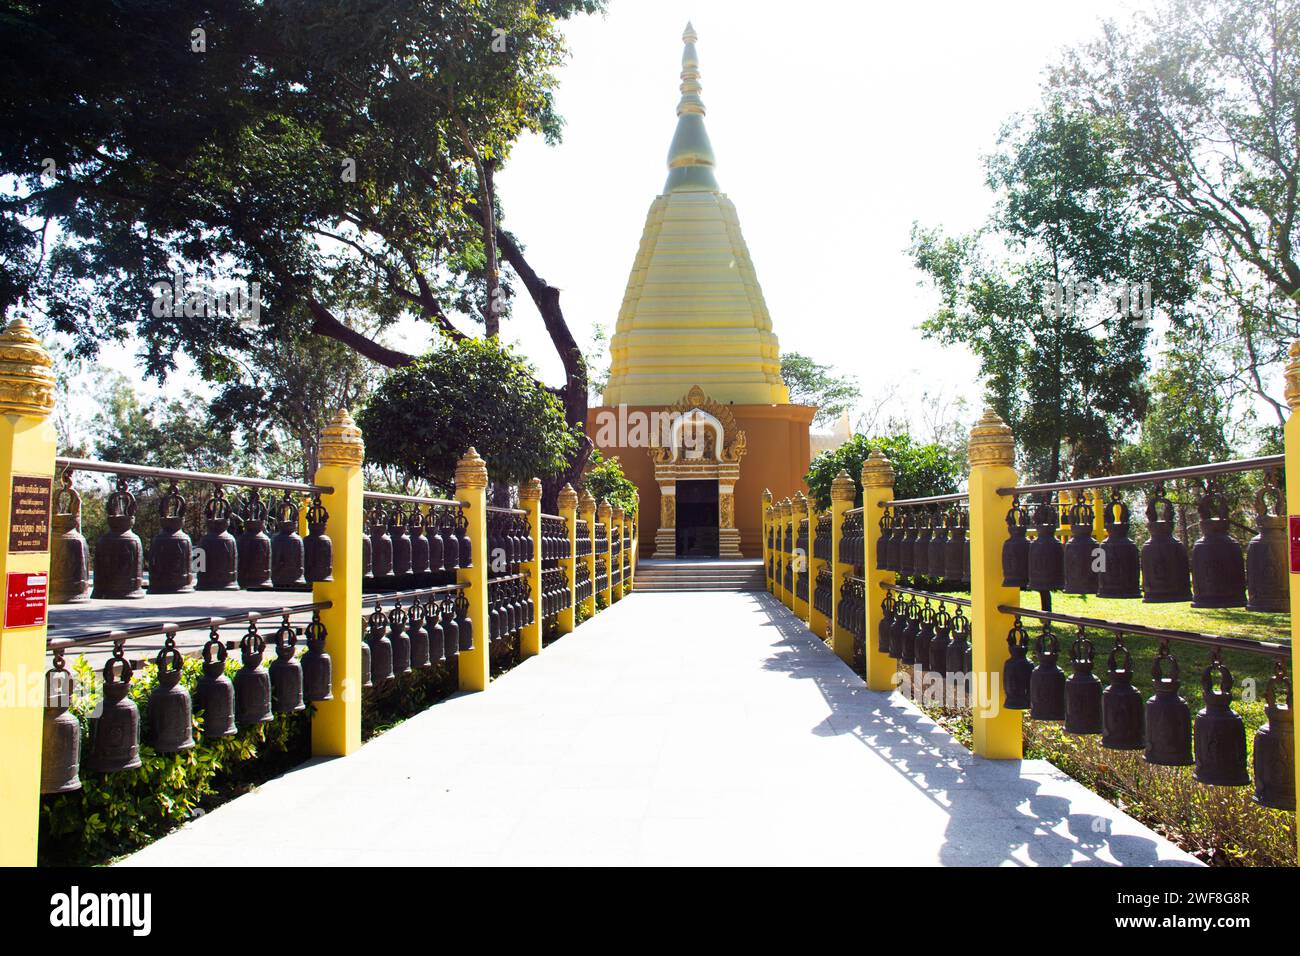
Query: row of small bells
(402, 640)
(1220, 576)
(925, 546)
(822, 539)
(934, 641)
(851, 538)
(510, 608)
(508, 537)
(395, 543)
(1163, 727)
(581, 582)
(822, 592)
(584, 539)
(555, 592)
(555, 539)
(253, 561)
(254, 696)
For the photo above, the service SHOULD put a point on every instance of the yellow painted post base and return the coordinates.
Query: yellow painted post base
(530, 635)
(568, 501)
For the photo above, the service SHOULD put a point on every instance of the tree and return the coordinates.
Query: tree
(605, 480)
(1203, 99)
(424, 416)
(920, 470)
(339, 152)
(812, 383)
(1064, 368)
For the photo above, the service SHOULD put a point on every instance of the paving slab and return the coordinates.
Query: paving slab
(671, 729)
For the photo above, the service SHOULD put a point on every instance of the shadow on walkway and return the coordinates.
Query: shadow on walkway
(1014, 812)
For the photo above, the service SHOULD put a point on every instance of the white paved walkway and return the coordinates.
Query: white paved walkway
(697, 728)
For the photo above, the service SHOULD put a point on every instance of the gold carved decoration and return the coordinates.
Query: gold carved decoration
(733, 437)
(471, 471)
(991, 442)
(340, 442)
(26, 376)
(727, 510)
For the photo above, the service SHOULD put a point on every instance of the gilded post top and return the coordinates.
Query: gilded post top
(878, 471)
(567, 498)
(531, 490)
(799, 502)
(617, 513)
(340, 442)
(586, 504)
(26, 373)
(1293, 376)
(991, 442)
(471, 471)
(843, 488)
(767, 496)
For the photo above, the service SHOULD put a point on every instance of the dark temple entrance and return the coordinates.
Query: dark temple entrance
(697, 519)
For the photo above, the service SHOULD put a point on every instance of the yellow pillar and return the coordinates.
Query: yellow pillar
(616, 534)
(471, 490)
(27, 447)
(765, 513)
(877, 486)
(530, 499)
(336, 724)
(783, 556)
(798, 512)
(603, 512)
(998, 732)
(587, 512)
(1292, 437)
(568, 502)
(843, 491)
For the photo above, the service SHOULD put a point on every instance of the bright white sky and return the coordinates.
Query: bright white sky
(835, 125)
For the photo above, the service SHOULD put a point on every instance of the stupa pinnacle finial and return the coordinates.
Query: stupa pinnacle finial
(690, 157)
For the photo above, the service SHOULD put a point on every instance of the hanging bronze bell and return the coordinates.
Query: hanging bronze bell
(171, 721)
(1165, 565)
(367, 552)
(288, 551)
(937, 659)
(1017, 672)
(401, 543)
(956, 667)
(883, 631)
(1218, 566)
(115, 733)
(252, 682)
(882, 542)
(921, 546)
(1121, 561)
(1046, 555)
(69, 552)
(1081, 552)
(214, 695)
(907, 543)
(906, 645)
(286, 673)
(1083, 691)
(450, 629)
(418, 636)
(957, 565)
(464, 623)
(894, 548)
(317, 669)
(254, 545)
(119, 555)
(1220, 733)
(419, 544)
(922, 638)
(433, 627)
(381, 543)
(381, 648)
(1015, 550)
(1266, 556)
(464, 545)
(170, 553)
(1169, 721)
(366, 682)
(1121, 704)
(1047, 680)
(318, 549)
(60, 734)
(218, 570)
(1274, 751)
(399, 640)
(938, 545)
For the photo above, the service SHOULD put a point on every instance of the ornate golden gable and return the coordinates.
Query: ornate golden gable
(733, 437)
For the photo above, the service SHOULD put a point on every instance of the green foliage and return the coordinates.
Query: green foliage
(812, 383)
(605, 480)
(1068, 380)
(115, 813)
(920, 470)
(424, 417)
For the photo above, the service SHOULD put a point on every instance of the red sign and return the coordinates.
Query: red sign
(25, 599)
(1295, 544)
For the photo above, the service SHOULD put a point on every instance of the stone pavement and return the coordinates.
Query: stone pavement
(690, 728)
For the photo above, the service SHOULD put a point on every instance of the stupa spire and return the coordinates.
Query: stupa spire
(690, 157)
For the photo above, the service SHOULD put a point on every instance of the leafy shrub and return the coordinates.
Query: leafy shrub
(920, 470)
(605, 480)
